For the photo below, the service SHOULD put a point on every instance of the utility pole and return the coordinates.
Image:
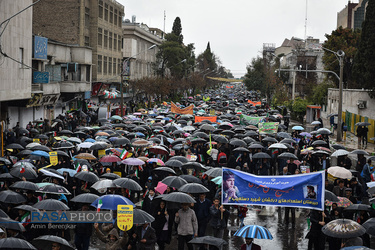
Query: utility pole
(341, 55)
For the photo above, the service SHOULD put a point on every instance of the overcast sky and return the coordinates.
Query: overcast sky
(237, 29)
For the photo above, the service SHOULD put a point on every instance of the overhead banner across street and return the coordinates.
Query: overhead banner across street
(302, 190)
(185, 111)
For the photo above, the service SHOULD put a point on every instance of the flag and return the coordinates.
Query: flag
(200, 158)
(78, 167)
(124, 154)
(238, 158)
(275, 151)
(22, 169)
(25, 219)
(100, 204)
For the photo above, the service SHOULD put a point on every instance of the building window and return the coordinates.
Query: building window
(106, 12)
(101, 9)
(111, 15)
(110, 40)
(105, 38)
(100, 63)
(87, 41)
(114, 41)
(119, 43)
(115, 17)
(110, 65)
(21, 57)
(119, 19)
(87, 17)
(105, 65)
(100, 36)
(114, 66)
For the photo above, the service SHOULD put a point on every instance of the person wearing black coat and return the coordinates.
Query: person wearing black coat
(163, 225)
(147, 205)
(202, 211)
(316, 237)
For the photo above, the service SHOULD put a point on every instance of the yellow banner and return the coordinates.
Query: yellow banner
(124, 217)
(184, 111)
(36, 140)
(118, 173)
(101, 153)
(53, 158)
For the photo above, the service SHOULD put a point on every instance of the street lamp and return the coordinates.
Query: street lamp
(124, 69)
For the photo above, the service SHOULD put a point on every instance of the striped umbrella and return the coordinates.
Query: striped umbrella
(254, 231)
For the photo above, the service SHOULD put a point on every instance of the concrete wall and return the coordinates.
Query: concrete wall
(15, 79)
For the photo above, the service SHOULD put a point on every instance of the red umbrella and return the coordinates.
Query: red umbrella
(325, 149)
(159, 150)
(110, 158)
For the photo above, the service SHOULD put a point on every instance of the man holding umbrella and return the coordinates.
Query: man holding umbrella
(250, 245)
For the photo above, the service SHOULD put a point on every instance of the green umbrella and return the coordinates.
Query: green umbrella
(218, 180)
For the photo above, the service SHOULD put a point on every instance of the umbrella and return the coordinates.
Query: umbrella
(141, 143)
(358, 207)
(161, 187)
(46, 241)
(6, 161)
(11, 224)
(141, 217)
(188, 128)
(369, 225)
(261, 155)
(359, 152)
(319, 142)
(102, 185)
(22, 171)
(63, 145)
(269, 139)
(339, 152)
(214, 172)
(25, 185)
(87, 176)
(11, 197)
(87, 198)
(14, 146)
(75, 140)
(338, 146)
(298, 128)
(110, 176)
(6, 177)
(50, 205)
(179, 197)
(110, 158)
(42, 148)
(218, 180)
(241, 149)
(278, 146)
(159, 150)
(254, 231)
(209, 240)
(127, 183)
(156, 160)
(51, 173)
(85, 156)
(330, 196)
(40, 153)
(191, 179)
(339, 172)
(27, 208)
(99, 146)
(174, 181)
(283, 135)
(173, 163)
(316, 123)
(255, 146)
(133, 162)
(121, 141)
(85, 144)
(165, 169)
(54, 189)
(180, 158)
(343, 229)
(343, 202)
(110, 201)
(363, 124)
(220, 139)
(324, 131)
(207, 127)
(193, 188)
(196, 165)
(287, 156)
(15, 243)
(71, 172)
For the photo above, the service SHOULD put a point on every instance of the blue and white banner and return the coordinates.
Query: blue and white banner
(302, 190)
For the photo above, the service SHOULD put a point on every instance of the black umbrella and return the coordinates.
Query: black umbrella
(42, 148)
(173, 163)
(288, 141)
(214, 172)
(191, 179)
(196, 165)
(358, 207)
(200, 135)
(11, 197)
(319, 143)
(269, 139)
(330, 196)
(3, 214)
(85, 198)
(110, 176)
(343, 229)
(209, 240)
(359, 152)
(251, 133)
(23, 171)
(5, 161)
(164, 169)
(62, 153)
(338, 146)
(255, 145)
(54, 189)
(11, 224)
(174, 181)
(27, 208)
(180, 158)
(46, 241)
(6, 177)
(63, 145)
(179, 197)
(121, 141)
(287, 156)
(283, 135)
(219, 139)
(369, 225)
(238, 143)
(240, 149)
(25, 185)
(87, 176)
(141, 217)
(363, 124)
(50, 205)
(15, 243)
(14, 146)
(261, 155)
(198, 140)
(99, 146)
(193, 188)
(65, 132)
(128, 184)
(228, 132)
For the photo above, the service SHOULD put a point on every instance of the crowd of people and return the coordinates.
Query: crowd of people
(227, 143)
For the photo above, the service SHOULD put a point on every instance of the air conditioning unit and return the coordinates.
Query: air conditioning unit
(361, 104)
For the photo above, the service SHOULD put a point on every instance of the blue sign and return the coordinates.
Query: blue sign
(301, 190)
(87, 95)
(40, 47)
(40, 77)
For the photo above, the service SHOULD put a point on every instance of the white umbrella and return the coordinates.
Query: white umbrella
(85, 145)
(316, 123)
(340, 152)
(31, 145)
(188, 128)
(278, 145)
(50, 174)
(102, 185)
(340, 172)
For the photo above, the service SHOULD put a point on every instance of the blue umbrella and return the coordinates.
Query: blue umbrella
(298, 128)
(71, 172)
(139, 134)
(254, 231)
(110, 201)
(90, 140)
(40, 153)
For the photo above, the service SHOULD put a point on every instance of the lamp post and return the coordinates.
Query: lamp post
(124, 69)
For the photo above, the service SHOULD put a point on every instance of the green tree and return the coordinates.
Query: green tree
(299, 108)
(320, 92)
(364, 61)
(346, 40)
(177, 30)
(255, 76)
(207, 60)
